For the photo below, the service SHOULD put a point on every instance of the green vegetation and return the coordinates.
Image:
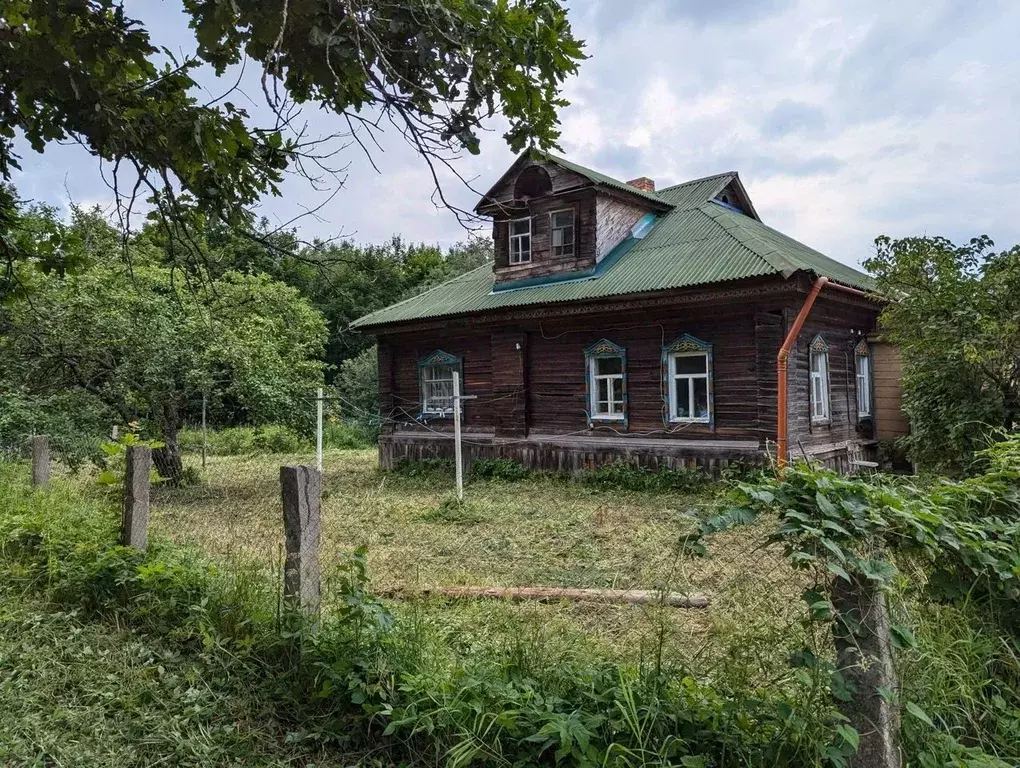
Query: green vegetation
(422, 681)
(955, 319)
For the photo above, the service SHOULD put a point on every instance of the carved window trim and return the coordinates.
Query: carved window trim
(604, 350)
(686, 346)
(820, 391)
(429, 380)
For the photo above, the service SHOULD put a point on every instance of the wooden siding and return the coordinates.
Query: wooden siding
(475, 351)
(842, 327)
(543, 262)
(529, 375)
(890, 420)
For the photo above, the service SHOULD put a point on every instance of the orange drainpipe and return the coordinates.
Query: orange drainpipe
(782, 428)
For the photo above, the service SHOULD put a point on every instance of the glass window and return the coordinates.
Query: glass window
(688, 391)
(437, 389)
(606, 387)
(863, 385)
(563, 233)
(520, 241)
(819, 384)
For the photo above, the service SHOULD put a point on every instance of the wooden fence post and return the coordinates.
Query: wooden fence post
(302, 494)
(40, 461)
(863, 640)
(134, 530)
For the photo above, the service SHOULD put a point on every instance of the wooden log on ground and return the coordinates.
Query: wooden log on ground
(548, 594)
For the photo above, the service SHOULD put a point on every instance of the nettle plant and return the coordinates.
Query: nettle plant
(846, 529)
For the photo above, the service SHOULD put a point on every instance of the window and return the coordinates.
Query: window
(863, 357)
(435, 373)
(687, 366)
(520, 241)
(607, 381)
(562, 233)
(819, 380)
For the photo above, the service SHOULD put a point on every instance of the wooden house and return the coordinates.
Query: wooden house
(622, 322)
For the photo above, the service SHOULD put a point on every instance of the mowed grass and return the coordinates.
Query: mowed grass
(541, 531)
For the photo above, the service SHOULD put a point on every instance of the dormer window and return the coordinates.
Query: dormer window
(563, 232)
(520, 241)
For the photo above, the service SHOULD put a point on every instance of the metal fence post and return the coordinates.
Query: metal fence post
(301, 487)
(318, 429)
(40, 461)
(134, 530)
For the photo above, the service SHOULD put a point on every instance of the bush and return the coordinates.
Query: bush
(499, 469)
(627, 477)
(243, 441)
(339, 434)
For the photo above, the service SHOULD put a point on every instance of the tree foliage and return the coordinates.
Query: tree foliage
(955, 315)
(87, 72)
(143, 343)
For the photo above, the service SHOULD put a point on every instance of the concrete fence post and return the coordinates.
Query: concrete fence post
(863, 640)
(302, 494)
(40, 461)
(134, 531)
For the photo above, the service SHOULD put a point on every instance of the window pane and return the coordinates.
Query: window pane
(520, 227)
(608, 365)
(692, 364)
(563, 219)
(700, 397)
(602, 388)
(617, 394)
(818, 362)
(683, 398)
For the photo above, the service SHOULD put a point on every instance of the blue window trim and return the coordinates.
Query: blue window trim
(603, 348)
(687, 343)
(820, 345)
(436, 357)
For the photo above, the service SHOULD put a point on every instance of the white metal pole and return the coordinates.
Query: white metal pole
(318, 431)
(203, 430)
(456, 435)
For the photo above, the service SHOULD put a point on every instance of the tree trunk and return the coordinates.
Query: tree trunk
(168, 458)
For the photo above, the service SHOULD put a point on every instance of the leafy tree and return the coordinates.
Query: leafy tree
(436, 69)
(955, 315)
(141, 342)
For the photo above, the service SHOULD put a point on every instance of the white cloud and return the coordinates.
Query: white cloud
(846, 119)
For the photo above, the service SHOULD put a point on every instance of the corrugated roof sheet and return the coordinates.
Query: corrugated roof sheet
(698, 242)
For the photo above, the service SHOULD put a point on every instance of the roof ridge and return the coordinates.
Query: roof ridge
(697, 181)
(763, 250)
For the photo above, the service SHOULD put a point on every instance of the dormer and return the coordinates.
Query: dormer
(554, 220)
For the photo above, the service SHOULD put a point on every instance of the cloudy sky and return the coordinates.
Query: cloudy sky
(845, 118)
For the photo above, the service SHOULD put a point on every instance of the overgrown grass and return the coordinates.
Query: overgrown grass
(197, 624)
(274, 439)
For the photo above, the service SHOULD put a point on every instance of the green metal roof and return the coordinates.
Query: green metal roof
(698, 242)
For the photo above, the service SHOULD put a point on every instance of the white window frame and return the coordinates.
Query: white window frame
(427, 406)
(864, 405)
(553, 229)
(520, 256)
(594, 377)
(819, 383)
(689, 377)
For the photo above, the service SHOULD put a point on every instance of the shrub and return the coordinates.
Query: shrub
(499, 469)
(243, 441)
(627, 477)
(340, 434)
(432, 468)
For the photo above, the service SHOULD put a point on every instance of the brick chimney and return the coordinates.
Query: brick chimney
(643, 183)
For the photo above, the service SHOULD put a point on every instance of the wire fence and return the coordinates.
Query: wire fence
(611, 569)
